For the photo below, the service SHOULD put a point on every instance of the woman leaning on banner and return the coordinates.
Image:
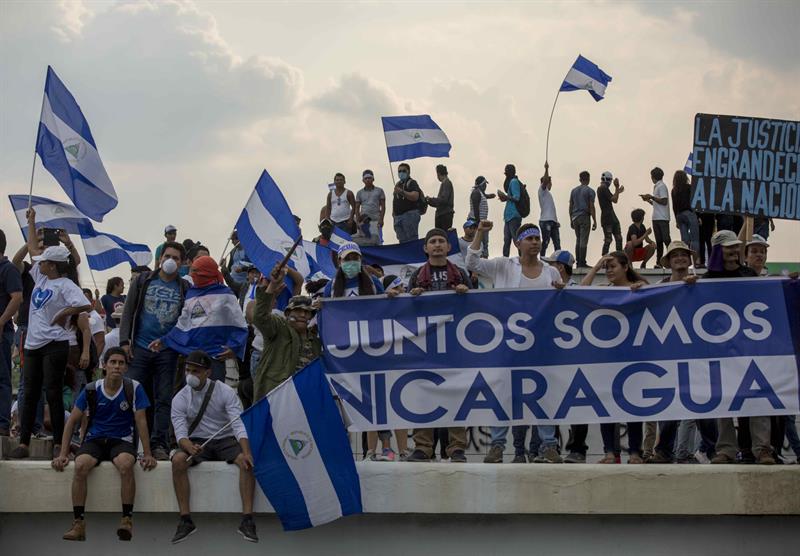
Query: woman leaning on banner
(55, 299)
(620, 273)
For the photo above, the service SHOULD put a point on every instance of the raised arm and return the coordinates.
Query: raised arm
(33, 239)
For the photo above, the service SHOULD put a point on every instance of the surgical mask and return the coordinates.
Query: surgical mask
(402, 175)
(351, 268)
(193, 381)
(169, 266)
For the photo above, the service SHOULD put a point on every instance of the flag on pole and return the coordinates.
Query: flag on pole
(267, 229)
(320, 260)
(68, 151)
(103, 251)
(689, 164)
(410, 137)
(587, 76)
(302, 456)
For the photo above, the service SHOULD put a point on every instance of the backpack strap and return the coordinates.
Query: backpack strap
(91, 404)
(127, 387)
(203, 406)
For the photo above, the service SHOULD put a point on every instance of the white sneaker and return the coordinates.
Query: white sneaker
(701, 457)
(370, 456)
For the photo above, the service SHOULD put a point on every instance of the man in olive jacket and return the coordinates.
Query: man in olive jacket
(288, 345)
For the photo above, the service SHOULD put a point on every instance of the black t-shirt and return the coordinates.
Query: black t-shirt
(402, 205)
(741, 272)
(438, 278)
(604, 195)
(637, 230)
(10, 282)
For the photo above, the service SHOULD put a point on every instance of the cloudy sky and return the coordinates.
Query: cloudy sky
(189, 101)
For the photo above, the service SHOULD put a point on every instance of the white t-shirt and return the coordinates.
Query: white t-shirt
(547, 206)
(112, 340)
(50, 297)
(660, 191)
(543, 281)
(96, 324)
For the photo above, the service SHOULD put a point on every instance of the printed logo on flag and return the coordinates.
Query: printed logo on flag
(297, 445)
(198, 313)
(75, 148)
(417, 136)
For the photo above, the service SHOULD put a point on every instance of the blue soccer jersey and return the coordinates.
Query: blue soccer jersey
(113, 419)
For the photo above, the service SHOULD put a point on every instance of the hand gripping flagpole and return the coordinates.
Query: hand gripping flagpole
(213, 436)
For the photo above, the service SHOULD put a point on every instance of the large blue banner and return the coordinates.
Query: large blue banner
(579, 355)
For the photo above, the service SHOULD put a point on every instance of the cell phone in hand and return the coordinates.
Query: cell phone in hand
(50, 237)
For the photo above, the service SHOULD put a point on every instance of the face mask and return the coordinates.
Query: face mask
(402, 175)
(193, 381)
(169, 266)
(351, 268)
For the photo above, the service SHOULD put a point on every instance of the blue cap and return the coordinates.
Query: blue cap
(560, 256)
(470, 223)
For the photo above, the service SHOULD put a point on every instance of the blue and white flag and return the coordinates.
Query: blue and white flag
(410, 137)
(338, 238)
(302, 456)
(103, 251)
(320, 261)
(402, 259)
(585, 75)
(689, 164)
(267, 229)
(211, 319)
(68, 151)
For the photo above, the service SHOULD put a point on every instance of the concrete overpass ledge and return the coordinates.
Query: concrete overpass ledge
(442, 488)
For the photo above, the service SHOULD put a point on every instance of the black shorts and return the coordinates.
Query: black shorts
(106, 449)
(220, 449)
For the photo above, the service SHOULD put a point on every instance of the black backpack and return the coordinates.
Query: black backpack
(91, 399)
(422, 204)
(524, 203)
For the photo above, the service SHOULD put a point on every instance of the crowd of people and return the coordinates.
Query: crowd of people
(128, 377)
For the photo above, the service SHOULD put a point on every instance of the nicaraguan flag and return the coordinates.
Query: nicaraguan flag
(689, 164)
(210, 319)
(410, 137)
(68, 151)
(320, 260)
(267, 229)
(103, 251)
(338, 238)
(402, 259)
(303, 461)
(587, 76)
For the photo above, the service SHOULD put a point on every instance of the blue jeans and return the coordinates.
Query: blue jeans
(156, 373)
(406, 226)
(791, 435)
(581, 224)
(6, 343)
(546, 433)
(518, 432)
(610, 435)
(255, 359)
(689, 227)
(509, 234)
(550, 230)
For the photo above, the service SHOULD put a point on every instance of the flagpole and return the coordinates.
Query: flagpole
(213, 436)
(86, 258)
(550, 121)
(33, 166)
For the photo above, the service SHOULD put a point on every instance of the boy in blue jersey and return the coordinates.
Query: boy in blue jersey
(116, 406)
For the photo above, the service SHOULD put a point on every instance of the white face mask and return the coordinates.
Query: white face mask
(193, 381)
(169, 266)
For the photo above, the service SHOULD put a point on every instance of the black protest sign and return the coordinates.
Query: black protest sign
(744, 165)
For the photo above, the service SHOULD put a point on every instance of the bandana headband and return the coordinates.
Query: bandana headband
(528, 233)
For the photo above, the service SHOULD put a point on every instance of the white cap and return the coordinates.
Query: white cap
(606, 176)
(55, 254)
(347, 248)
(170, 228)
(757, 240)
(726, 238)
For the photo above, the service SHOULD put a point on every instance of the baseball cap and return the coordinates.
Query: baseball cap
(170, 228)
(470, 223)
(347, 248)
(757, 240)
(55, 254)
(726, 238)
(560, 256)
(606, 176)
(199, 358)
(299, 302)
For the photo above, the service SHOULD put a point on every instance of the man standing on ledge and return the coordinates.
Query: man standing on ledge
(405, 207)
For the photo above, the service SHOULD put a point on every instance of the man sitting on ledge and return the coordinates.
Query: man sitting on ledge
(112, 405)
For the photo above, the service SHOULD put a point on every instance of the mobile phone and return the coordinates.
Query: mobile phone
(50, 237)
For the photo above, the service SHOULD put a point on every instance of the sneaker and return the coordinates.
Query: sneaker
(635, 459)
(519, 458)
(370, 456)
(495, 455)
(185, 528)
(20, 452)
(125, 529)
(458, 456)
(160, 454)
(388, 455)
(404, 455)
(77, 532)
(417, 456)
(723, 458)
(248, 529)
(610, 457)
(657, 457)
(700, 457)
(549, 455)
(575, 457)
